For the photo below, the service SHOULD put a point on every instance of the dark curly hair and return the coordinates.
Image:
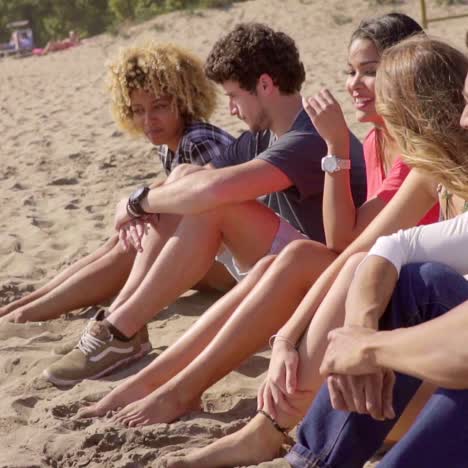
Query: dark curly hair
(252, 49)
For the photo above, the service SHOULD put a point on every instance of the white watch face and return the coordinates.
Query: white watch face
(329, 164)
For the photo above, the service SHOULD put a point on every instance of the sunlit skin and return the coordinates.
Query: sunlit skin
(157, 117)
(464, 116)
(246, 106)
(363, 60)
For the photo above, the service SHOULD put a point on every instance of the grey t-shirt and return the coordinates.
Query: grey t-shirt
(298, 154)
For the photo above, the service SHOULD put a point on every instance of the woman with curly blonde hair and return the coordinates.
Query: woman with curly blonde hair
(160, 92)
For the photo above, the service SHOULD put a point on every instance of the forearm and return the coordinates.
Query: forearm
(339, 211)
(191, 193)
(207, 189)
(434, 351)
(370, 292)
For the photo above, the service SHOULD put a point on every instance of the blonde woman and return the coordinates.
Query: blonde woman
(419, 88)
(158, 92)
(410, 285)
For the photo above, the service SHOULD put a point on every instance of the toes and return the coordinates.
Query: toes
(86, 412)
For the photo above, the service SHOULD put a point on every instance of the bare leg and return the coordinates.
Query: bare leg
(267, 307)
(183, 351)
(96, 274)
(152, 244)
(247, 228)
(259, 441)
(239, 448)
(95, 281)
(61, 277)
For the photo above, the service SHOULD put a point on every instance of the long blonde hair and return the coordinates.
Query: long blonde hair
(163, 69)
(419, 90)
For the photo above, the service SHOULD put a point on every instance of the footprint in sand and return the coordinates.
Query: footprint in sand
(20, 330)
(65, 411)
(10, 244)
(29, 201)
(24, 406)
(11, 365)
(107, 165)
(41, 224)
(65, 181)
(18, 186)
(45, 337)
(230, 406)
(104, 442)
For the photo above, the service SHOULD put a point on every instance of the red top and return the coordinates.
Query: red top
(385, 186)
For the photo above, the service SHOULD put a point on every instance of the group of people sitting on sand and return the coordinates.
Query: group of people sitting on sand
(346, 258)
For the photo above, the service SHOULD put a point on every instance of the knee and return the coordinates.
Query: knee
(264, 263)
(296, 251)
(118, 255)
(306, 256)
(355, 260)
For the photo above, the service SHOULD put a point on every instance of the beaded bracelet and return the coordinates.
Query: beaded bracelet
(273, 338)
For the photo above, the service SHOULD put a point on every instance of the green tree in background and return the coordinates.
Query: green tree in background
(53, 19)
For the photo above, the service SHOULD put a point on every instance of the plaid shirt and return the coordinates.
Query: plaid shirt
(201, 142)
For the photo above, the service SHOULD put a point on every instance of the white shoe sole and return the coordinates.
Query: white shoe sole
(144, 349)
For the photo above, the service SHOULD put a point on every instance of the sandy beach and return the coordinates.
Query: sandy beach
(64, 165)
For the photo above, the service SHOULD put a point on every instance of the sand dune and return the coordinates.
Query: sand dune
(64, 165)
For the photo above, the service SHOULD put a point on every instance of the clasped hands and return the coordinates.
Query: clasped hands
(132, 230)
(354, 380)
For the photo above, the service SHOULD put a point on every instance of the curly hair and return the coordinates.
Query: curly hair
(419, 90)
(162, 69)
(252, 49)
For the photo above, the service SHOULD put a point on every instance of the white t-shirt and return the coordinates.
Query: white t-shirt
(444, 242)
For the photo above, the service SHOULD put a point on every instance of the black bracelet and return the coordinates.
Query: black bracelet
(131, 211)
(283, 430)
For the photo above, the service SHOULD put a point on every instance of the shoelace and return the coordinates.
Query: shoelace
(89, 343)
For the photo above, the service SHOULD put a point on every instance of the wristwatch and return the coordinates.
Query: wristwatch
(134, 208)
(332, 164)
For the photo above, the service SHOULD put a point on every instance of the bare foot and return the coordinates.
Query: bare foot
(16, 316)
(129, 391)
(155, 408)
(173, 462)
(5, 310)
(256, 442)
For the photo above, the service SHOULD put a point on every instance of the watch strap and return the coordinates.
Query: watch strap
(134, 208)
(344, 163)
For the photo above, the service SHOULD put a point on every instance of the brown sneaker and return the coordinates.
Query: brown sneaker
(98, 353)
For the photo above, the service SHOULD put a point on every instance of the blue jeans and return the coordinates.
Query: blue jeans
(328, 438)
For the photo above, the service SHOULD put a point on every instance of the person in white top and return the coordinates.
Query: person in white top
(408, 74)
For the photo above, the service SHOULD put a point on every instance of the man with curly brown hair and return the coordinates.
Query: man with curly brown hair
(266, 191)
